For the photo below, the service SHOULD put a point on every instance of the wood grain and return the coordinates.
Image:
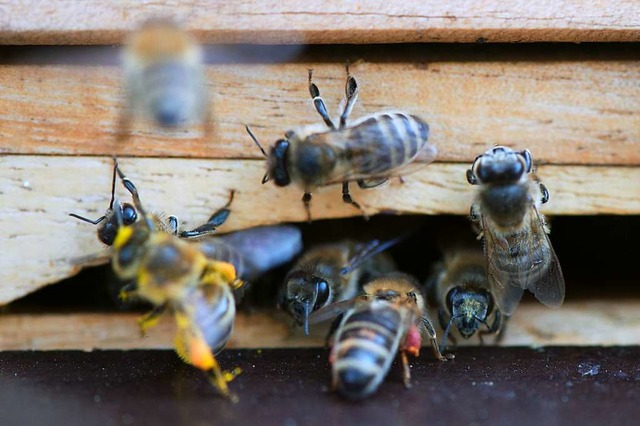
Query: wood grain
(614, 322)
(565, 112)
(41, 244)
(311, 22)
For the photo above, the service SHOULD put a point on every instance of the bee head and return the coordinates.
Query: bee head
(128, 245)
(304, 294)
(500, 165)
(277, 163)
(108, 230)
(468, 309)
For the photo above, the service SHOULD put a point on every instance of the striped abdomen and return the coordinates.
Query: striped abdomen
(213, 315)
(171, 91)
(365, 345)
(378, 144)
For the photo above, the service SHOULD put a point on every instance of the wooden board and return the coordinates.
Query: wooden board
(333, 21)
(41, 244)
(565, 112)
(611, 322)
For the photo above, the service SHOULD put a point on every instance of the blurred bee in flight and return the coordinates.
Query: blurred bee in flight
(460, 287)
(332, 273)
(518, 253)
(164, 78)
(174, 275)
(390, 317)
(369, 151)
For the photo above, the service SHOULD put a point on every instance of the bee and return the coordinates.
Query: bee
(389, 317)
(461, 289)
(164, 77)
(518, 253)
(369, 151)
(175, 276)
(332, 273)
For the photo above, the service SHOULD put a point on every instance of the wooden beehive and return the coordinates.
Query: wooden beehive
(574, 106)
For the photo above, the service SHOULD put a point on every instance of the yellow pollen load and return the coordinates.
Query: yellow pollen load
(200, 355)
(122, 236)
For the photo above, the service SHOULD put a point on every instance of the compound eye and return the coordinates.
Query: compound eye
(527, 159)
(450, 298)
(323, 294)
(126, 255)
(129, 214)
(107, 233)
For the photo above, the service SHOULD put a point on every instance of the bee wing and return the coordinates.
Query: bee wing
(506, 293)
(331, 311)
(255, 251)
(547, 284)
(367, 251)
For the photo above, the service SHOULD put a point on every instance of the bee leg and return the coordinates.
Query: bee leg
(406, 370)
(501, 329)
(545, 193)
(346, 197)
(431, 332)
(334, 326)
(173, 225)
(306, 200)
(151, 319)
(351, 93)
(495, 328)
(128, 291)
(219, 217)
(219, 380)
(318, 103)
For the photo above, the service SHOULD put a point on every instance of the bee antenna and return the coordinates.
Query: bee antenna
(256, 142)
(443, 344)
(85, 219)
(307, 307)
(113, 183)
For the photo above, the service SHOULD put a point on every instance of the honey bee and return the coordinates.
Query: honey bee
(461, 289)
(368, 151)
(518, 253)
(175, 276)
(164, 77)
(332, 273)
(389, 317)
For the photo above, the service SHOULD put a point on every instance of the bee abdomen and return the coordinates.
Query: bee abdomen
(169, 89)
(215, 317)
(364, 350)
(385, 141)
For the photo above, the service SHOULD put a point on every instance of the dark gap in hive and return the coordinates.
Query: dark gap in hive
(597, 253)
(419, 54)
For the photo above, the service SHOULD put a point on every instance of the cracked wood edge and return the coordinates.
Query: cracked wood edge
(610, 322)
(313, 22)
(564, 112)
(41, 244)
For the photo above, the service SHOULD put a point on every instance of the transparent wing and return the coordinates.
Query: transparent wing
(545, 279)
(331, 311)
(506, 293)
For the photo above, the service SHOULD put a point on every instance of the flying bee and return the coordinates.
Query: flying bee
(175, 276)
(368, 151)
(518, 253)
(332, 273)
(390, 317)
(164, 77)
(461, 289)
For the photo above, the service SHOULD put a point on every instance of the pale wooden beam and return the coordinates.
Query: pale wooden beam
(610, 322)
(41, 244)
(328, 21)
(565, 112)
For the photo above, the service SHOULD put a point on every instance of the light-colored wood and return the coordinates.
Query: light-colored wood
(328, 21)
(611, 322)
(565, 112)
(41, 244)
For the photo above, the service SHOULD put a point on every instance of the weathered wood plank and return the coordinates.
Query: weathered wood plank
(41, 244)
(296, 22)
(611, 322)
(565, 112)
